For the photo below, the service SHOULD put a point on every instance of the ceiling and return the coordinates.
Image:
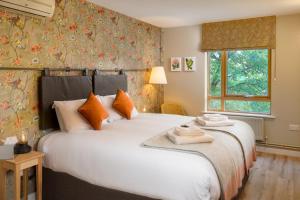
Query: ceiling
(174, 13)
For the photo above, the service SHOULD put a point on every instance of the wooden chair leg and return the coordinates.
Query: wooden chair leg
(39, 180)
(17, 184)
(25, 184)
(2, 183)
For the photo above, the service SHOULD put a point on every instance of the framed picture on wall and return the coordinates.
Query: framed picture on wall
(175, 64)
(190, 64)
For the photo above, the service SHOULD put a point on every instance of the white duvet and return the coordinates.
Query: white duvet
(114, 158)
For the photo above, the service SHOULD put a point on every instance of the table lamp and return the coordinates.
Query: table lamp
(158, 76)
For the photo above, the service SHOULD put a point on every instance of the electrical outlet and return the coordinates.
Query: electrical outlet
(294, 127)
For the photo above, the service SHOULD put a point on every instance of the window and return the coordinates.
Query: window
(240, 81)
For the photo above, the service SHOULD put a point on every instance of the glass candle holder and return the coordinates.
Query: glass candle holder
(23, 138)
(22, 146)
(144, 109)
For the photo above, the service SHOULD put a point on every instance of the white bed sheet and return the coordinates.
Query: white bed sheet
(114, 158)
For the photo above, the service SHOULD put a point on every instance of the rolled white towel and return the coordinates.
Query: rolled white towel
(203, 122)
(189, 139)
(214, 117)
(189, 131)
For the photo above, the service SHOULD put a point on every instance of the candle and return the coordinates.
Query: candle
(23, 139)
(144, 109)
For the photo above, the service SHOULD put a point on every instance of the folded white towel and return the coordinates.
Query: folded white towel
(189, 139)
(189, 131)
(214, 117)
(203, 122)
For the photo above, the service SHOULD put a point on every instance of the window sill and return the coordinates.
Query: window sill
(242, 114)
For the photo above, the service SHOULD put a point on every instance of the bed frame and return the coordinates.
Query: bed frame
(62, 88)
(62, 186)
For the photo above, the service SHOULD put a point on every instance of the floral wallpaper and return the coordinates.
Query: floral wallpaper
(80, 34)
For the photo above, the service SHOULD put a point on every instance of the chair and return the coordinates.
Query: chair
(172, 108)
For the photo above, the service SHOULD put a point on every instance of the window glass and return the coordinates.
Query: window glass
(246, 81)
(248, 106)
(215, 73)
(214, 104)
(247, 73)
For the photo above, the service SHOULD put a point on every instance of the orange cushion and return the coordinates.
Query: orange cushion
(123, 104)
(93, 111)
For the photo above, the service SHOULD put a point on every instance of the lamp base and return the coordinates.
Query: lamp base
(22, 148)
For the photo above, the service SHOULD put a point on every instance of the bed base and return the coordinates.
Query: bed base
(61, 186)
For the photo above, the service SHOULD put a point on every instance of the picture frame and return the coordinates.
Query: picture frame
(176, 64)
(189, 64)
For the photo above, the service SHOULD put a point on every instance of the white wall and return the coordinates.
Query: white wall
(286, 87)
(188, 88)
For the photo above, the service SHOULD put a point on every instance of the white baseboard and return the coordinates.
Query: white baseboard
(284, 152)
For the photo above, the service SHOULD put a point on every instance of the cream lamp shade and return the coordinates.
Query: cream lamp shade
(158, 75)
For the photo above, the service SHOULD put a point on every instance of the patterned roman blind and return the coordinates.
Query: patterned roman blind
(240, 34)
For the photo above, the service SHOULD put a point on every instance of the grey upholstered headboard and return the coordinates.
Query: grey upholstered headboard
(109, 84)
(62, 88)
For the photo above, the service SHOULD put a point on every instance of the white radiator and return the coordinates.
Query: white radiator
(256, 123)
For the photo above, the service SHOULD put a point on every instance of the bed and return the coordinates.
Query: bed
(113, 163)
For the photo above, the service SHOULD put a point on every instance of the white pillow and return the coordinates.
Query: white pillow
(107, 102)
(134, 112)
(69, 118)
(59, 118)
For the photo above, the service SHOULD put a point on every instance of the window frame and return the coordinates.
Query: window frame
(224, 96)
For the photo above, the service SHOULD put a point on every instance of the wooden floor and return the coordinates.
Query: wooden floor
(273, 177)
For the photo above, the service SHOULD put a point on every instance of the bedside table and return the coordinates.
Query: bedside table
(22, 162)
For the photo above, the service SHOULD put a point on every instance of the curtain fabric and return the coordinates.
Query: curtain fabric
(240, 34)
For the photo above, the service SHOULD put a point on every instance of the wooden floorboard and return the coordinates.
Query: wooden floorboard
(273, 177)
